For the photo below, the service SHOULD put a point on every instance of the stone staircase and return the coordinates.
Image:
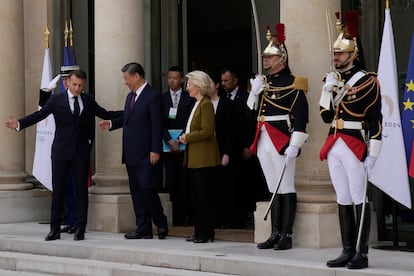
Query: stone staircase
(13, 263)
(23, 251)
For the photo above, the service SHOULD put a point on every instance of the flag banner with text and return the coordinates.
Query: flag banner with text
(390, 171)
(45, 133)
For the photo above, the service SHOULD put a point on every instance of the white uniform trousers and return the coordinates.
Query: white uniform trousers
(271, 162)
(347, 174)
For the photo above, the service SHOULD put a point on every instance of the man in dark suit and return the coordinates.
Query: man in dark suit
(70, 197)
(244, 170)
(143, 125)
(74, 114)
(177, 107)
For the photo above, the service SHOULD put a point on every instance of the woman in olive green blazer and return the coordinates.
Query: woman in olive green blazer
(201, 156)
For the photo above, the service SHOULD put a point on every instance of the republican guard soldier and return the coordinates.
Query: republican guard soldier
(351, 103)
(281, 107)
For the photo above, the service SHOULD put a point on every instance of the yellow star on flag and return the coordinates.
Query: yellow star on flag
(412, 121)
(408, 105)
(410, 86)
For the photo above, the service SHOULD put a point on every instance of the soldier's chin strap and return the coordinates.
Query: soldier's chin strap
(352, 56)
(280, 61)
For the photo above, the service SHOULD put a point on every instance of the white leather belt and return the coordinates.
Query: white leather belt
(273, 118)
(341, 124)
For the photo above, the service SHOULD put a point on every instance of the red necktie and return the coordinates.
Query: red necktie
(131, 105)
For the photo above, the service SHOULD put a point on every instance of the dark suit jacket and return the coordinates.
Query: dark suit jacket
(242, 121)
(72, 136)
(142, 127)
(225, 131)
(183, 112)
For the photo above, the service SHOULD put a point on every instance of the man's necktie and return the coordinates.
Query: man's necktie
(175, 100)
(131, 105)
(76, 107)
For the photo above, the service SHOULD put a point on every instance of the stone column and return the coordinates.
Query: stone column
(316, 222)
(119, 39)
(307, 40)
(15, 193)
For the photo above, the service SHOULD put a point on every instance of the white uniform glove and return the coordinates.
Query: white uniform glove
(257, 85)
(331, 81)
(291, 152)
(369, 163)
(52, 85)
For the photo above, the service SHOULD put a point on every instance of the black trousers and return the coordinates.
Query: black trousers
(202, 183)
(145, 198)
(79, 168)
(176, 183)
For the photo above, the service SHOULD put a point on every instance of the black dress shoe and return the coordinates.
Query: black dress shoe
(162, 233)
(68, 229)
(203, 239)
(132, 236)
(190, 239)
(54, 234)
(72, 230)
(65, 229)
(79, 235)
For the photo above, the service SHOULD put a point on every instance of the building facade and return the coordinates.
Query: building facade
(158, 34)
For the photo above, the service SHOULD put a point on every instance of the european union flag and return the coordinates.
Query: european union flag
(408, 112)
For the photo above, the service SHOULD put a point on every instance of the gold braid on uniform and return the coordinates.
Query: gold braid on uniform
(270, 100)
(371, 82)
(323, 110)
(378, 134)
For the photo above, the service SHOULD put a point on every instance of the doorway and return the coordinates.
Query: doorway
(219, 35)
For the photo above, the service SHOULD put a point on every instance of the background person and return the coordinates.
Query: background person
(177, 105)
(228, 205)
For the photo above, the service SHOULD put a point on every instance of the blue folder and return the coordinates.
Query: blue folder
(174, 135)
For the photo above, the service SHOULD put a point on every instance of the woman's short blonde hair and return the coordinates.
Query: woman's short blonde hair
(201, 80)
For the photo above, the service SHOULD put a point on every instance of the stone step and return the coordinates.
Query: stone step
(12, 263)
(234, 258)
(167, 257)
(20, 273)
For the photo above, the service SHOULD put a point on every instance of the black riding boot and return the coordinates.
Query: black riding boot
(347, 225)
(360, 260)
(275, 215)
(288, 218)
